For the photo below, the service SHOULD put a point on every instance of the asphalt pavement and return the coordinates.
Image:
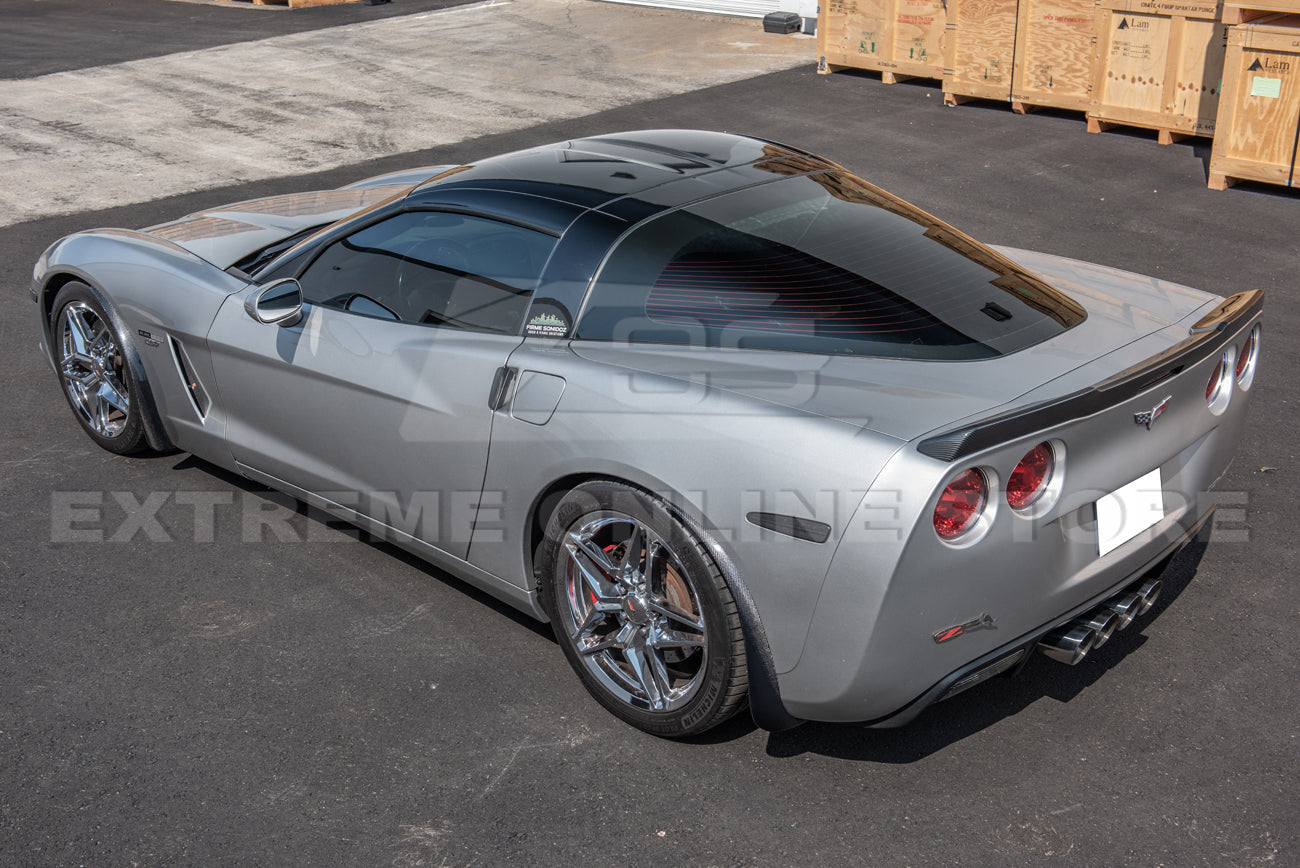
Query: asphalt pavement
(195, 672)
(45, 36)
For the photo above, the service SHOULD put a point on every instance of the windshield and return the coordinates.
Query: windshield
(822, 263)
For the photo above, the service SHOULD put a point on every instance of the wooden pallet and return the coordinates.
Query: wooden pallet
(1164, 135)
(886, 76)
(1259, 116)
(900, 39)
(1158, 66)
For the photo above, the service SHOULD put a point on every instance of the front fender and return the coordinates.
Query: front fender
(154, 430)
(137, 271)
(152, 290)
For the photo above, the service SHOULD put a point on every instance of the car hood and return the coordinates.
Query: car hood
(225, 235)
(1130, 317)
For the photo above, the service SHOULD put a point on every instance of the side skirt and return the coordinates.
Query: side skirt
(524, 600)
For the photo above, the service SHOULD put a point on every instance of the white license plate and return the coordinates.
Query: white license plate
(1125, 513)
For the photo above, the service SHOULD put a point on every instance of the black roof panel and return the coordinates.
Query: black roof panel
(592, 172)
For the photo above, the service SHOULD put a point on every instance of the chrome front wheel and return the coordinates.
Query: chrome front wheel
(90, 363)
(93, 369)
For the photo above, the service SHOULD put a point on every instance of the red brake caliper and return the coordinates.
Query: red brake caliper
(608, 548)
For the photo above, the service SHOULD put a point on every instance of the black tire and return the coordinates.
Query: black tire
(642, 612)
(91, 357)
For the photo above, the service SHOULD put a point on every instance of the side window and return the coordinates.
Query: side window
(433, 268)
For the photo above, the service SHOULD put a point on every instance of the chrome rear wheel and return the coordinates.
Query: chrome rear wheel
(633, 613)
(642, 612)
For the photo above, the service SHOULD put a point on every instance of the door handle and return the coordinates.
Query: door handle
(502, 383)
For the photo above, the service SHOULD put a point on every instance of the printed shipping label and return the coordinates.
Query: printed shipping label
(1270, 88)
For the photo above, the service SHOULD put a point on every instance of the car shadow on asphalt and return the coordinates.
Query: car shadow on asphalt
(934, 730)
(306, 513)
(964, 715)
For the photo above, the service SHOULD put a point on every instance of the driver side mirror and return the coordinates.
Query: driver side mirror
(278, 303)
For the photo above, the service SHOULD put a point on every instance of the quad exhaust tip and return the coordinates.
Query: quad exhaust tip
(1072, 641)
(1068, 644)
(1126, 606)
(1148, 591)
(1104, 622)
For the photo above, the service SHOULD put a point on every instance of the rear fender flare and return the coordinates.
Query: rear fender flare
(765, 704)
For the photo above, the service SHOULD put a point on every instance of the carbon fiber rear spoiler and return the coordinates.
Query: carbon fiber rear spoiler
(1209, 334)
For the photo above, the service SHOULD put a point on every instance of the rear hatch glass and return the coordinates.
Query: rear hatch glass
(822, 263)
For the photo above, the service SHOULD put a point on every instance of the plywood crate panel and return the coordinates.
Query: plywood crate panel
(979, 50)
(1054, 54)
(1242, 11)
(1158, 65)
(898, 38)
(1259, 116)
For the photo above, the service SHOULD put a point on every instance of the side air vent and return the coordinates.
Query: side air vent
(790, 525)
(198, 395)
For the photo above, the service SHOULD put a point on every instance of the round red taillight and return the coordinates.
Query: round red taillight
(1030, 478)
(961, 504)
(1215, 383)
(1246, 358)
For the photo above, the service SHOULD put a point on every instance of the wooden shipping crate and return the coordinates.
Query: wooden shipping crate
(1031, 52)
(1054, 54)
(1242, 11)
(1158, 65)
(898, 38)
(1259, 115)
(979, 50)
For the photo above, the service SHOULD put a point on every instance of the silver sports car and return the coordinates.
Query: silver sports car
(744, 427)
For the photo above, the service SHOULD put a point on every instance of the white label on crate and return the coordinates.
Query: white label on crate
(1266, 87)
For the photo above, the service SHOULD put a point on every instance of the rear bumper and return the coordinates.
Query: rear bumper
(1011, 656)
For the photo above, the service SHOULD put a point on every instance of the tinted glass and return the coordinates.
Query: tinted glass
(824, 263)
(433, 268)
